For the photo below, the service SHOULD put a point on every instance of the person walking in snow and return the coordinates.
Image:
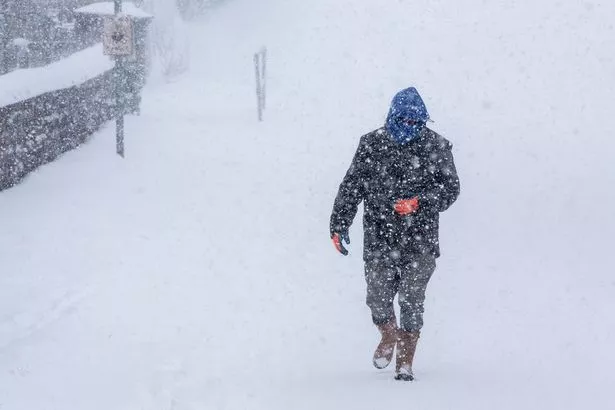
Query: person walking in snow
(405, 175)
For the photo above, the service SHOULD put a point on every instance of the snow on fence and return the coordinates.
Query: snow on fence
(47, 111)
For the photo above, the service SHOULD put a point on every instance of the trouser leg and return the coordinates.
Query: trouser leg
(412, 286)
(382, 285)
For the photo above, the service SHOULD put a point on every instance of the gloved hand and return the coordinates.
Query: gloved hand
(406, 206)
(337, 238)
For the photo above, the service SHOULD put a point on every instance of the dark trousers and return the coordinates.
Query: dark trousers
(385, 279)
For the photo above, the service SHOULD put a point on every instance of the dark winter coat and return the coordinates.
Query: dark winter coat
(383, 172)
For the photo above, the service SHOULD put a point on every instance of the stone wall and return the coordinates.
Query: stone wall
(36, 131)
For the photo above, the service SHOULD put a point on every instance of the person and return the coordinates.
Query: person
(405, 174)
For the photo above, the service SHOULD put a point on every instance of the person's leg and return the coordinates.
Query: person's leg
(414, 278)
(382, 283)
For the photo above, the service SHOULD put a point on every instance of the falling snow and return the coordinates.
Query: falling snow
(197, 271)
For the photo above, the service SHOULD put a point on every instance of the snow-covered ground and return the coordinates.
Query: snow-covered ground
(198, 273)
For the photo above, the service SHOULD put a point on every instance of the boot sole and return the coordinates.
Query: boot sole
(381, 363)
(404, 377)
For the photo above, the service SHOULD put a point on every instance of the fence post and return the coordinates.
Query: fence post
(259, 98)
(260, 67)
(119, 89)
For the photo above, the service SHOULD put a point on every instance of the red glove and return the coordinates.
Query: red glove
(406, 206)
(337, 242)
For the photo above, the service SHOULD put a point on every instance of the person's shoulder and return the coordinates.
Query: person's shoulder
(433, 141)
(374, 137)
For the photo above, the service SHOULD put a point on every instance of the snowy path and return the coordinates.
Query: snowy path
(198, 274)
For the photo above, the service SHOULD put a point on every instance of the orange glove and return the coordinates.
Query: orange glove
(406, 206)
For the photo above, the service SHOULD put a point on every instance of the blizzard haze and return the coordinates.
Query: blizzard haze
(198, 273)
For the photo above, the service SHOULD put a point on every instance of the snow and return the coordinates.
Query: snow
(198, 273)
(107, 8)
(21, 42)
(381, 362)
(20, 85)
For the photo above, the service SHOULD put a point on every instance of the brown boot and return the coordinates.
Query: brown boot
(384, 352)
(406, 346)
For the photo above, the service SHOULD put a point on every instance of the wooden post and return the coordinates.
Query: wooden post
(259, 97)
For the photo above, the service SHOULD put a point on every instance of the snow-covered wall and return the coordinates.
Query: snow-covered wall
(24, 84)
(47, 111)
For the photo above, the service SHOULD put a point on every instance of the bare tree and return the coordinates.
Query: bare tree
(169, 42)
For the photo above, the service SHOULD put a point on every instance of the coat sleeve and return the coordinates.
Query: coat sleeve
(445, 190)
(351, 192)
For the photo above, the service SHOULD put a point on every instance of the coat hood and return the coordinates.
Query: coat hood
(406, 105)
